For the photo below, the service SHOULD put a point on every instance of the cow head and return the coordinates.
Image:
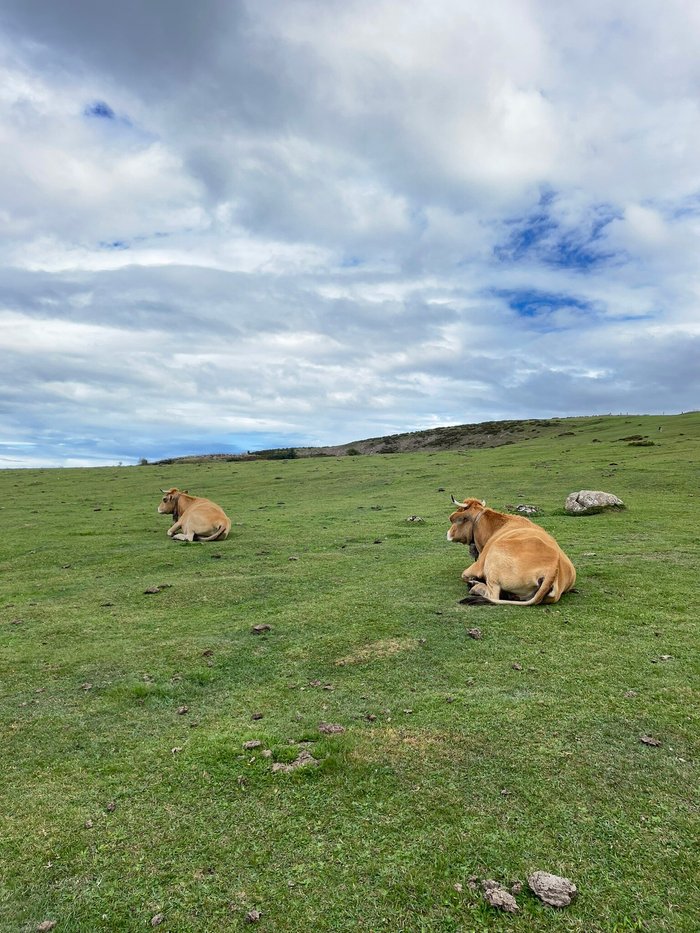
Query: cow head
(168, 504)
(463, 519)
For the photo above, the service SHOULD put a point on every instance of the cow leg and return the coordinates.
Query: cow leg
(173, 528)
(184, 537)
(474, 571)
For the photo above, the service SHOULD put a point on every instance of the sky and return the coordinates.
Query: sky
(231, 225)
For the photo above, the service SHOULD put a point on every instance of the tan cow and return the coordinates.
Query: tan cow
(511, 555)
(195, 518)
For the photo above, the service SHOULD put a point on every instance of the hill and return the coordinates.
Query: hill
(477, 436)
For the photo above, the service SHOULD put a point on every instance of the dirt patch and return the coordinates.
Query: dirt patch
(384, 648)
(383, 744)
(304, 758)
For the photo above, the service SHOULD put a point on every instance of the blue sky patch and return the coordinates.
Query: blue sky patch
(114, 244)
(540, 305)
(542, 237)
(100, 110)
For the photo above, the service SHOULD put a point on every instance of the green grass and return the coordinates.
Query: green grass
(402, 806)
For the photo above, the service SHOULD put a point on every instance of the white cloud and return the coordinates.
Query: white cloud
(308, 222)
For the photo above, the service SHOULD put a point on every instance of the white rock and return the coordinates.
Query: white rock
(588, 500)
(552, 889)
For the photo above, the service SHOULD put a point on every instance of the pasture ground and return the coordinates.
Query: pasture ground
(117, 805)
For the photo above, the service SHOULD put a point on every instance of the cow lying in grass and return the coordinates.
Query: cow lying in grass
(512, 556)
(195, 518)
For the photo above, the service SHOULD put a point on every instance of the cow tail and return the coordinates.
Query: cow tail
(220, 533)
(545, 586)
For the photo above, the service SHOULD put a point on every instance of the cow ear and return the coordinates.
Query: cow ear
(186, 491)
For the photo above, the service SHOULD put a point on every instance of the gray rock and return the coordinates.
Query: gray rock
(588, 501)
(552, 889)
(497, 896)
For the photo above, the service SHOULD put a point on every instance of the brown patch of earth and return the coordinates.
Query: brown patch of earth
(384, 648)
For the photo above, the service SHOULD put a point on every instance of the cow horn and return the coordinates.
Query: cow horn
(455, 502)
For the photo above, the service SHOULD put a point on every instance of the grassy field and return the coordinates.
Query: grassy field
(127, 795)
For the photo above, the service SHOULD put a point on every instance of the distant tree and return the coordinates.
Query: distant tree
(143, 462)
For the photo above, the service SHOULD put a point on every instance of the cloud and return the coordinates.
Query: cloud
(309, 222)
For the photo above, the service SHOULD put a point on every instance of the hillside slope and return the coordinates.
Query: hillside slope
(485, 434)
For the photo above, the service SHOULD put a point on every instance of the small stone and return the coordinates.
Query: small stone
(111, 806)
(630, 693)
(254, 743)
(516, 666)
(176, 750)
(86, 686)
(370, 717)
(207, 653)
(46, 925)
(257, 716)
(259, 629)
(157, 920)
(552, 889)
(458, 888)
(650, 740)
(253, 916)
(497, 896)
(181, 710)
(152, 589)
(331, 728)
(475, 633)
(516, 888)
(292, 558)
(88, 824)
